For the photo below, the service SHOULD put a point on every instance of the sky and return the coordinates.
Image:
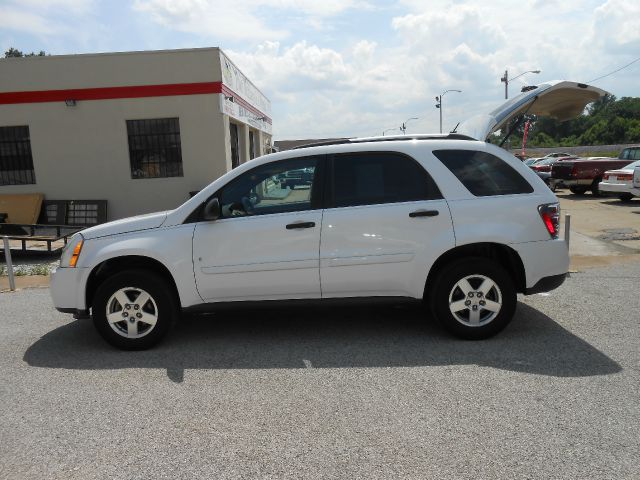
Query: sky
(343, 68)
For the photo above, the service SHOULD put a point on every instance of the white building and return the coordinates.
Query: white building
(138, 129)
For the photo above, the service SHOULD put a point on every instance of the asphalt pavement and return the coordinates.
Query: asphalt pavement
(332, 393)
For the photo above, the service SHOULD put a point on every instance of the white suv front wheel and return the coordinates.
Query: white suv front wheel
(133, 309)
(474, 298)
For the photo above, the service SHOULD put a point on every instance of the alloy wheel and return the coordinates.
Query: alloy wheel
(475, 300)
(132, 312)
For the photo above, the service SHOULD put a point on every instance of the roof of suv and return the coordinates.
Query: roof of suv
(390, 138)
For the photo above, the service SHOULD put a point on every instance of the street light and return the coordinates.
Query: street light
(389, 130)
(439, 104)
(506, 79)
(403, 127)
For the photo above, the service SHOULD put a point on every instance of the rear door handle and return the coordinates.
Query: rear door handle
(291, 226)
(424, 213)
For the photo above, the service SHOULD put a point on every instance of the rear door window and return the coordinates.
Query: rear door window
(379, 177)
(483, 174)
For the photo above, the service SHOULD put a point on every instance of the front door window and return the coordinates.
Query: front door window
(278, 187)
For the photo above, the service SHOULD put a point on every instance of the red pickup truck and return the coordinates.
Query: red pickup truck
(583, 174)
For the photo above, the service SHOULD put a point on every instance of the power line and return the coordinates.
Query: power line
(615, 71)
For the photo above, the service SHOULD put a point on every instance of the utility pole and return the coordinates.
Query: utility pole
(439, 104)
(403, 127)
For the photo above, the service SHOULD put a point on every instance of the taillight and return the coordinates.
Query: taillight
(605, 176)
(550, 214)
(625, 176)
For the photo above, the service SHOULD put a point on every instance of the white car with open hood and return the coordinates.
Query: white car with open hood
(446, 219)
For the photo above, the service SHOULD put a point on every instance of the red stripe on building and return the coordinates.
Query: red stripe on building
(137, 91)
(107, 93)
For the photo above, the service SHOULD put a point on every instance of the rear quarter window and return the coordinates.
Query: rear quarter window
(483, 174)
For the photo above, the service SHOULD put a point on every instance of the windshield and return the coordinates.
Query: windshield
(630, 154)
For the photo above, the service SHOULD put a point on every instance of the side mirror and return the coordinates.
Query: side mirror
(211, 209)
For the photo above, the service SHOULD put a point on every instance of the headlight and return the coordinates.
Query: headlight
(71, 251)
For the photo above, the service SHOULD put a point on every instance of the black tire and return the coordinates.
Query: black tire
(445, 287)
(595, 187)
(162, 306)
(625, 197)
(578, 190)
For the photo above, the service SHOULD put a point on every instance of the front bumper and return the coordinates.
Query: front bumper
(67, 289)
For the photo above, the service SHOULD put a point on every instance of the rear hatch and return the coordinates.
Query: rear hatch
(559, 99)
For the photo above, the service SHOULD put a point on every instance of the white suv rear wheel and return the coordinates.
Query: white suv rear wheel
(473, 297)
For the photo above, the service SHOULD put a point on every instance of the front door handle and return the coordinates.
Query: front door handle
(424, 213)
(291, 226)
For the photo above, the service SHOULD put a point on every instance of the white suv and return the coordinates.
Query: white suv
(448, 219)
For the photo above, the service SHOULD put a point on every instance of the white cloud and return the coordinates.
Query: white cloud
(615, 27)
(208, 19)
(42, 17)
(240, 20)
(15, 19)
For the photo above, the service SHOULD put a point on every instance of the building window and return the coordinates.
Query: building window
(154, 148)
(16, 162)
(235, 147)
(252, 145)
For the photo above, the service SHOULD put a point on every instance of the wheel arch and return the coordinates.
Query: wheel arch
(503, 254)
(108, 267)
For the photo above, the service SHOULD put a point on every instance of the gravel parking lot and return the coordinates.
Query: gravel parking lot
(358, 393)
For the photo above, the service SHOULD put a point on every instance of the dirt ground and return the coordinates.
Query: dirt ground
(604, 231)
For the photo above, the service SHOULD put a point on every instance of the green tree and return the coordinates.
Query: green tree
(14, 52)
(606, 121)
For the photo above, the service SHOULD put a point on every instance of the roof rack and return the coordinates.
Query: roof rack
(390, 138)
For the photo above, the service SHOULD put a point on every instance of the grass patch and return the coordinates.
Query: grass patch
(27, 270)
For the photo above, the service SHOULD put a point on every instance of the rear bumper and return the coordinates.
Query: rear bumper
(615, 187)
(546, 284)
(543, 261)
(556, 182)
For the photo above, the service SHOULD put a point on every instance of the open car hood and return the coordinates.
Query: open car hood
(559, 99)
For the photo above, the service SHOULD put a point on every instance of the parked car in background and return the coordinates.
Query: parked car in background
(558, 155)
(620, 182)
(555, 155)
(543, 167)
(294, 178)
(583, 174)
